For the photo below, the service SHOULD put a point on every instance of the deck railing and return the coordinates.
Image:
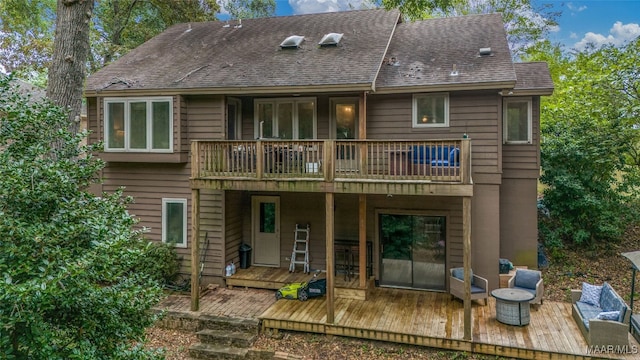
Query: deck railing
(334, 160)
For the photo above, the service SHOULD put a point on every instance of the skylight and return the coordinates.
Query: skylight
(330, 39)
(291, 42)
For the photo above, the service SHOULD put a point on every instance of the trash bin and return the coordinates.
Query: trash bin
(245, 256)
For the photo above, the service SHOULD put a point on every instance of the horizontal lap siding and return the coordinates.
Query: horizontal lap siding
(198, 117)
(477, 114)
(522, 161)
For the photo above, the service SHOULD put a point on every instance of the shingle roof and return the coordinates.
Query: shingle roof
(211, 56)
(533, 76)
(425, 53)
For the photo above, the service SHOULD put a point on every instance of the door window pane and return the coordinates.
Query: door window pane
(345, 115)
(265, 116)
(285, 121)
(305, 120)
(267, 217)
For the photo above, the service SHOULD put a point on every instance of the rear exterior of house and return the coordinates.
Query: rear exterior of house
(392, 142)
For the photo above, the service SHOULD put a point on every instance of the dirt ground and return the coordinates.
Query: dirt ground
(562, 275)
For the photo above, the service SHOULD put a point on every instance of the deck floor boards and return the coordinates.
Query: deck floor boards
(423, 318)
(418, 317)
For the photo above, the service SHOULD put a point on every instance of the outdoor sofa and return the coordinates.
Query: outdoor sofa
(592, 306)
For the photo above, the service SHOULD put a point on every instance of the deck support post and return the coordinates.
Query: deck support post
(362, 236)
(466, 260)
(195, 249)
(329, 216)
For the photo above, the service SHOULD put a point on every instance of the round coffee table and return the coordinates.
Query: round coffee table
(512, 306)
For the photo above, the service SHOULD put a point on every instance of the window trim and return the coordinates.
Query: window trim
(149, 131)
(505, 126)
(415, 123)
(296, 125)
(165, 202)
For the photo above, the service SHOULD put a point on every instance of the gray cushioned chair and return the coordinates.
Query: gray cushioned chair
(479, 285)
(529, 280)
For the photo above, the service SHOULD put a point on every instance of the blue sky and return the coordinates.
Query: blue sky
(597, 21)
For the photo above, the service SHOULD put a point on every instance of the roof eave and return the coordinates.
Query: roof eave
(445, 87)
(235, 90)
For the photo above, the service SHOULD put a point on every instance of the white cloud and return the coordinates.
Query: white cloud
(573, 35)
(619, 34)
(320, 6)
(576, 8)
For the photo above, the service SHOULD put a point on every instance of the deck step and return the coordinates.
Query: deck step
(226, 338)
(211, 351)
(250, 326)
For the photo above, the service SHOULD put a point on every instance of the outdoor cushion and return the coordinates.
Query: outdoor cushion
(591, 294)
(526, 279)
(610, 301)
(587, 311)
(608, 315)
(476, 289)
(458, 273)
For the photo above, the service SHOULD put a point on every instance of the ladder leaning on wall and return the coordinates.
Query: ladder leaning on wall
(300, 248)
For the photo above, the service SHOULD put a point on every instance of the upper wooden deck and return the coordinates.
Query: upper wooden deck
(435, 167)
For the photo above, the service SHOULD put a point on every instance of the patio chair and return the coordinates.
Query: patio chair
(479, 285)
(529, 280)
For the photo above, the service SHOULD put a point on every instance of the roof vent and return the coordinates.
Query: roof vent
(485, 51)
(330, 39)
(292, 42)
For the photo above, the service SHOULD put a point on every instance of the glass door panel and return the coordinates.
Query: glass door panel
(413, 251)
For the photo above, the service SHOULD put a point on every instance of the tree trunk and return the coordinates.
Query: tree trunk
(70, 53)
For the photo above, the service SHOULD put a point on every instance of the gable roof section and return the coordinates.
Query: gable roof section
(422, 55)
(534, 78)
(210, 57)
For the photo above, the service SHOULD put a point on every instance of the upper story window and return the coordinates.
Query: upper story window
(285, 118)
(517, 120)
(431, 110)
(138, 124)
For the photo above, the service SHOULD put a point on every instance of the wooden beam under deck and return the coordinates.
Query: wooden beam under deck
(339, 186)
(436, 320)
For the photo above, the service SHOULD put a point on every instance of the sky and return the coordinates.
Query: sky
(581, 22)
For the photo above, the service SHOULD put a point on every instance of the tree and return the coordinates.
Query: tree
(590, 145)
(70, 54)
(74, 281)
(248, 9)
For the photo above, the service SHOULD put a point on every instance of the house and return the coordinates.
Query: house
(408, 148)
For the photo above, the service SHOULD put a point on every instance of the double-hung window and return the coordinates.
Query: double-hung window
(431, 110)
(517, 120)
(174, 222)
(138, 124)
(286, 118)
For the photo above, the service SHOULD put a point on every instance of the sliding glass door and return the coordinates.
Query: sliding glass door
(413, 251)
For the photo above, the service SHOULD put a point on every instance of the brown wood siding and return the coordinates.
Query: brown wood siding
(233, 226)
(148, 184)
(195, 117)
(522, 161)
(476, 113)
(212, 227)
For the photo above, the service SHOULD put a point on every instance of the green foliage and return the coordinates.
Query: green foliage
(590, 145)
(160, 261)
(71, 285)
(246, 9)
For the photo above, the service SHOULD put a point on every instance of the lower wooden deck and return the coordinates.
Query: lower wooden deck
(436, 320)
